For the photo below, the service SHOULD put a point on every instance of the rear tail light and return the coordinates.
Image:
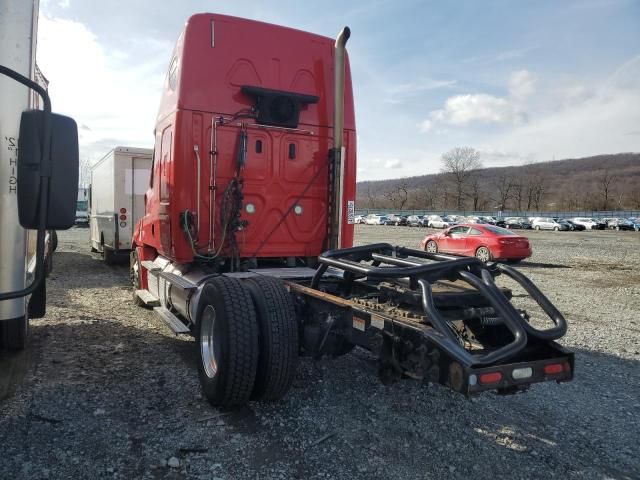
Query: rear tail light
(489, 378)
(520, 373)
(555, 368)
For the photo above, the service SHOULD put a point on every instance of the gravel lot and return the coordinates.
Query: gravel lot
(106, 391)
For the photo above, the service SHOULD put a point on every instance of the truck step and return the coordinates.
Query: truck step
(149, 265)
(172, 321)
(174, 279)
(147, 298)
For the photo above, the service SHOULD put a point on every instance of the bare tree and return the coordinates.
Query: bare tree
(458, 164)
(606, 185)
(503, 186)
(371, 198)
(518, 194)
(474, 192)
(398, 195)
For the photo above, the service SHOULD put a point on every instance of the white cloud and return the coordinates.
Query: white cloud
(477, 107)
(590, 120)
(112, 97)
(521, 85)
(484, 108)
(400, 93)
(425, 125)
(64, 3)
(393, 163)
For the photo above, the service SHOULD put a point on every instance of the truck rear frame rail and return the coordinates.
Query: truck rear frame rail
(410, 307)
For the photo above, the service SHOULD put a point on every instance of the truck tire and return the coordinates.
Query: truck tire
(13, 333)
(54, 240)
(227, 340)
(278, 338)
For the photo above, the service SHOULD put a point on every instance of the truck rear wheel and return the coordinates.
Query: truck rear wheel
(278, 339)
(227, 338)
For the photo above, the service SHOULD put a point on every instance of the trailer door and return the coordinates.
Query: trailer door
(139, 183)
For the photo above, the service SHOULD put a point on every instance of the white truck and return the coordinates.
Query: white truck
(82, 206)
(119, 182)
(39, 173)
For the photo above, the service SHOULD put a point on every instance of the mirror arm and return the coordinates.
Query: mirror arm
(44, 183)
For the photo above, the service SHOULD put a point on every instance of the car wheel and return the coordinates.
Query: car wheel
(537, 227)
(431, 247)
(483, 254)
(555, 229)
(617, 229)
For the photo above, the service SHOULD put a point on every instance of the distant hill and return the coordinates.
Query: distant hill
(602, 182)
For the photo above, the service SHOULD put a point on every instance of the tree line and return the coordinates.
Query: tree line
(604, 182)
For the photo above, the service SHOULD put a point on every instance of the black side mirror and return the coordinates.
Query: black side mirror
(61, 162)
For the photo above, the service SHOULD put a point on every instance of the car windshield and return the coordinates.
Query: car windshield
(498, 230)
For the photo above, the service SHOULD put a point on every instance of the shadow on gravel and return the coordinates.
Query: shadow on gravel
(104, 395)
(540, 265)
(81, 270)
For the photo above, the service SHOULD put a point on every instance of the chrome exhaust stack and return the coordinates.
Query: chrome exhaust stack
(337, 153)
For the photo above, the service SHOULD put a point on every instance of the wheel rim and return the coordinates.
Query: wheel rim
(432, 247)
(208, 343)
(135, 273)
(483, 254)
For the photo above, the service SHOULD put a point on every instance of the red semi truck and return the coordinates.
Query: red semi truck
(246, 242)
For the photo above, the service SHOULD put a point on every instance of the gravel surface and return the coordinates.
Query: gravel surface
(107, 391)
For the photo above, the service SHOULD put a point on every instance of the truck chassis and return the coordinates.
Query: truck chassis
(431, 317)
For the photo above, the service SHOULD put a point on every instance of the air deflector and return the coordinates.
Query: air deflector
(277, 107)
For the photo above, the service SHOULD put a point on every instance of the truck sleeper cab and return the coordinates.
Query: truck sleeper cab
(246, 241)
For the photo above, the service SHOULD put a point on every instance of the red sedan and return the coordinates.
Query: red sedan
(485, 242)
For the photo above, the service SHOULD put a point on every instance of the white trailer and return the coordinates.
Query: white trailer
(119, 182)
(82, 206)
(18, 26)
(38, 164)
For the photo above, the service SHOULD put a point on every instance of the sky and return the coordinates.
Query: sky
(520, 81)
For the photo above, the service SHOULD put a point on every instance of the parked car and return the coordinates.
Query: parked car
(577, 227)
(516, 222)
(547, 223)
(395, 220)
(414, 221)
(436, 221)
(625, 224)
(476, 220)
(589, 223)
(489, 220)
(374, 219)
(358, 219)
(483, 241)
